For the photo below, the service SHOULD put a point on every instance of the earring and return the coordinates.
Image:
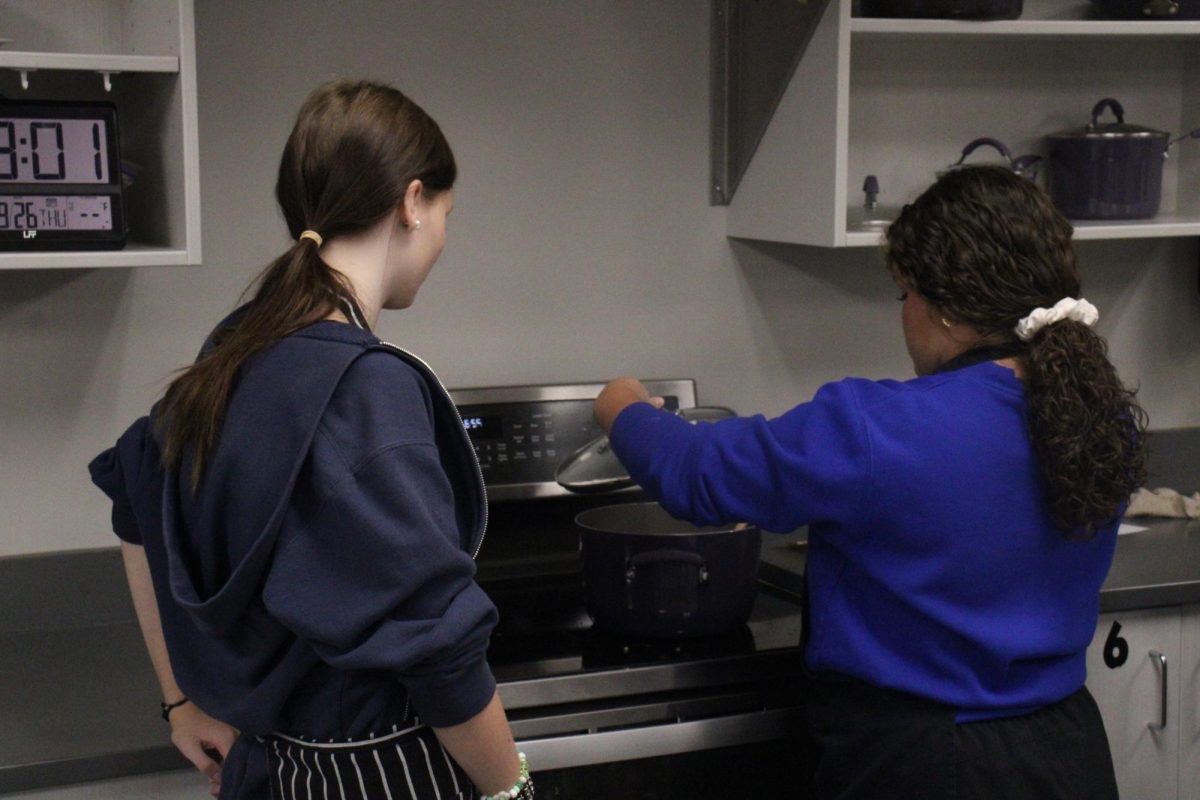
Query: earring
(416, 224)
(946, 322)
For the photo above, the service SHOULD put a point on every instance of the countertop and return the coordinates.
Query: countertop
(80, 698)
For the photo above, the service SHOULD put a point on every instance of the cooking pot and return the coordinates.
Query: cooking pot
(943, 9)
(1109, 170)
(1026, 165)
(648, 574)
(1149, 9)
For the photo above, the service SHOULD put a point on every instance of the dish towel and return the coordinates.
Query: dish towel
(1163, 503)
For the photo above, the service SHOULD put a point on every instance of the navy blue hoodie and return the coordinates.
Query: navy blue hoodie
(321, 580)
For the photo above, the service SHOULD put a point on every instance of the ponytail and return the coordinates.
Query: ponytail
(1087, 429)
(296, 290)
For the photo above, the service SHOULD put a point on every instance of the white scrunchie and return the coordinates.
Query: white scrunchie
(1068, 308)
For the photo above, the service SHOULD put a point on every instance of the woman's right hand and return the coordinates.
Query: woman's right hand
(193, 733)
(616, 396)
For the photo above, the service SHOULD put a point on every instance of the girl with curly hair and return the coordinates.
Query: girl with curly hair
(960, 524)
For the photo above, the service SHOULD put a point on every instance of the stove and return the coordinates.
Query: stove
(601, 714)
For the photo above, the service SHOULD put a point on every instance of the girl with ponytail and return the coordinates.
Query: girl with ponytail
(300, 512)
(960, 524)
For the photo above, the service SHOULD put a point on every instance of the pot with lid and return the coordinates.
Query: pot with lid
(648, 574)
(1110, 170)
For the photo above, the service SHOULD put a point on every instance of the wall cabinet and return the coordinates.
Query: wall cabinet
(1144, 670)
(141, 56)
(899, 99)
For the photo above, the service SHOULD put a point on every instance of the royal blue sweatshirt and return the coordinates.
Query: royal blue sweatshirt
(933, 566)
(321, 581)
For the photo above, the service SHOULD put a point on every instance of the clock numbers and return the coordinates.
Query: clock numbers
(96, 146)
(58, 158)
(9, 149)
(18, 215)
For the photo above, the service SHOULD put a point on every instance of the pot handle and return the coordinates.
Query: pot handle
(667, 554)
(1112, 105)
(1194, 134)
(980, 142)
(662, 555)
(1027, 166)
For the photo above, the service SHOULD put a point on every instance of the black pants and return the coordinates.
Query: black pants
(874, 743)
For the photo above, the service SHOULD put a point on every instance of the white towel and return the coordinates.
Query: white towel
(1163, 503)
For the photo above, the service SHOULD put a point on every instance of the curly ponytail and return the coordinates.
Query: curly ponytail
(986, 247)
(354, 150)
(1087, 429)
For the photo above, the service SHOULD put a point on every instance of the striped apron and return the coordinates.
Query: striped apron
(406, 764)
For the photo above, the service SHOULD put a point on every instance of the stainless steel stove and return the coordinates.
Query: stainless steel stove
(598, 714)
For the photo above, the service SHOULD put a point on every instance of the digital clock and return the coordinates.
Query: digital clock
(60, 176)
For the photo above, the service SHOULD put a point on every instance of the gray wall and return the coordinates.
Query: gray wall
(581, 247)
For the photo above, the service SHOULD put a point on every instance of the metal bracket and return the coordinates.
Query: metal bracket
(755, 49)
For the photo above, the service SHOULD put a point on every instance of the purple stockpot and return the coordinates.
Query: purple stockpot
(1108, 170)
(648, 574)
(943, 9)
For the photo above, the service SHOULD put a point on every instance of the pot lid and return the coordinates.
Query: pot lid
(1111, 130)
(595, 468)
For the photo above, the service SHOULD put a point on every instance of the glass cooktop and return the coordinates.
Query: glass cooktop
(545, 631)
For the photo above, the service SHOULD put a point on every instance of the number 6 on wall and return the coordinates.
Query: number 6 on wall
(1162, 715)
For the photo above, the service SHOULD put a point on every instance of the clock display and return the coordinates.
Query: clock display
(60, 176)
(51, 212)
(62, 150)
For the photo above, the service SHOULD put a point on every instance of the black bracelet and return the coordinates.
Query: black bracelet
(167, 708)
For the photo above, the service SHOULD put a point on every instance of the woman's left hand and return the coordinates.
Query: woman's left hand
(619, 394)
(196, 735)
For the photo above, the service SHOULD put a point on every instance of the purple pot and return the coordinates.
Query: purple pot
(648, 574)
(1107, 170)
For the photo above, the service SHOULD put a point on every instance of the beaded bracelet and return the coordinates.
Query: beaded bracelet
(521, 790)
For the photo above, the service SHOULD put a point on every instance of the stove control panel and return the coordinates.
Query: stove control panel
(522, 433)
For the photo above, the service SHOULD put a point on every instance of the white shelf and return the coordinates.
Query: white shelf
(87, 61)
(864, 27)
(1157, 228)
(898, 98)
(134, 255)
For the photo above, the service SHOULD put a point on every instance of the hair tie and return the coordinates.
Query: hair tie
(316, 237)
(1068, 308)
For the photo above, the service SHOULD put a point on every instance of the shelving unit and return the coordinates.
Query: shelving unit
(141, 56)
(900, 98)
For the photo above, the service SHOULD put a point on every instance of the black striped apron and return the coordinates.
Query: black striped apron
(403, 765)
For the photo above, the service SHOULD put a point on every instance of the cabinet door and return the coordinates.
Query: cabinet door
(1127, 681)
(1189, 706)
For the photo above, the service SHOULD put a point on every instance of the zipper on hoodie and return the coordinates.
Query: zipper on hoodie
(463, 432)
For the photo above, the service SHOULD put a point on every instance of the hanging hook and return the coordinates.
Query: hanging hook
(108, 80)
